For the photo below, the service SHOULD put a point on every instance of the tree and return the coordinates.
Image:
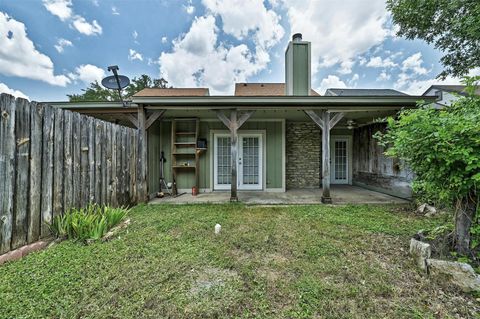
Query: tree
(95, 92)
(442, 147)
(453, 26)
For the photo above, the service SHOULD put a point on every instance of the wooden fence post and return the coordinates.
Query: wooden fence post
(142, 156)
(35, 191)
(7, 169)
(22, 170)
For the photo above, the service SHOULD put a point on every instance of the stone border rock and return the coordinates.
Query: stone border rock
(460, 274)
(23, 251)
(110, 234)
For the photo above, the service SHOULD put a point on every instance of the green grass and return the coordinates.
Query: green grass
(268, 262)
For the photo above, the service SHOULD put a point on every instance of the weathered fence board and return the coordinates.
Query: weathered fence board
(76, 148)
(7, 169)
(84, 177)
(22, 169)
(47, 169)
(91, 160)
(52, 160)
(58, 163)
(114, 164)
(108, 150)
(36, 142)
(67, 161)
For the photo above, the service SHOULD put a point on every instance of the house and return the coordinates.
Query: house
(267, 137)
(446, 94)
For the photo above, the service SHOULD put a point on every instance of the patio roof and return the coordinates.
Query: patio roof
(340, 103)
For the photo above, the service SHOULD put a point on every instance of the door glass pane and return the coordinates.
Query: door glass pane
(250, 160)
(224, 172)
(340, 160)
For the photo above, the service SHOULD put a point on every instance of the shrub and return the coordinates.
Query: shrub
(442, 147)
(89, 223)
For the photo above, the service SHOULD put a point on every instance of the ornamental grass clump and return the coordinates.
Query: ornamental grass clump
(87, 224)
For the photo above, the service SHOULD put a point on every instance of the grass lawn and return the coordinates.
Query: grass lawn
(268, 262)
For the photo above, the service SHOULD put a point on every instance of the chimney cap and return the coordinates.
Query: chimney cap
(297, 37)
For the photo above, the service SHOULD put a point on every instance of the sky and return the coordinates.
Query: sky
(51, 48)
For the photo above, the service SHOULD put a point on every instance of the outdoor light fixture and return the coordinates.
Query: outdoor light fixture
(351, 124)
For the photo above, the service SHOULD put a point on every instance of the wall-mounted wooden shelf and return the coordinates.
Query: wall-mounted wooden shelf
(184, 141)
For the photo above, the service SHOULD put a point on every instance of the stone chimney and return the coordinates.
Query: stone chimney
(297, 67)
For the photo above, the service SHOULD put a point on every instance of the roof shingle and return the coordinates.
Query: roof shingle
(363, 92)
(262, 89)
(154, 92)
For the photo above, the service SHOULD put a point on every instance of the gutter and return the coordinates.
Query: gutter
(256, 102)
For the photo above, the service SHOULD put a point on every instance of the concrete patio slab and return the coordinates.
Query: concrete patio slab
(341, 194)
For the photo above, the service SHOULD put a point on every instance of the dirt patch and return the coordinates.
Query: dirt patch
(211, 278)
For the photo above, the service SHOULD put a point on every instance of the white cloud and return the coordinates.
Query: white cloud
(189, 8)
(330, 82)
(378, 62)
(384, 76)
(135, 35)
(353, 81)
(346, 67)
(19, 57)
(414, 64)
(134, 55)
(85, 27)
(115, 11)
(164, 39)
(197, 60)
(248, 18)
(338, 30)
(60, 8)
(63, 10)
(414, 86)
(61, 44)
(5, 89)
(87, 73)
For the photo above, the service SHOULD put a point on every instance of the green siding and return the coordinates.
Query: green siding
(300, 69)
(273, 153)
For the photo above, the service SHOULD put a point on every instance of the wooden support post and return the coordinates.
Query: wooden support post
(325, 123)
(326, 159)
(233, 124)
(233, 155)
(142, 156)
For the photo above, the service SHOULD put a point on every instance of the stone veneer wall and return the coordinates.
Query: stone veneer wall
(303, 158)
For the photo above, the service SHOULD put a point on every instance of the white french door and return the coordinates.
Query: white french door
(339, 156)
(249, 162)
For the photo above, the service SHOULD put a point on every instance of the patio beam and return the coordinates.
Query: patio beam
(317, 118)
(326, 199)
(157, 114)
(233, 123)
(336, 118)
(326, 123)
(142, 156)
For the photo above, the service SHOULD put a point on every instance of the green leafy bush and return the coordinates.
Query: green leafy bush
(89, 223)
(442, 147)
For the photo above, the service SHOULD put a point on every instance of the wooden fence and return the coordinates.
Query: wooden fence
(52, 160)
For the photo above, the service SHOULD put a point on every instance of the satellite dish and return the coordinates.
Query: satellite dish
(116, 82)
(110, 82)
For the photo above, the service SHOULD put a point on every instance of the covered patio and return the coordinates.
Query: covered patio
(341, 195)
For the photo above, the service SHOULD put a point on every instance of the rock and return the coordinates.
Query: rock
(427, 210)
(420, 251)
(430, 211)
(109, 235)
(461, 274)
(421, 209)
